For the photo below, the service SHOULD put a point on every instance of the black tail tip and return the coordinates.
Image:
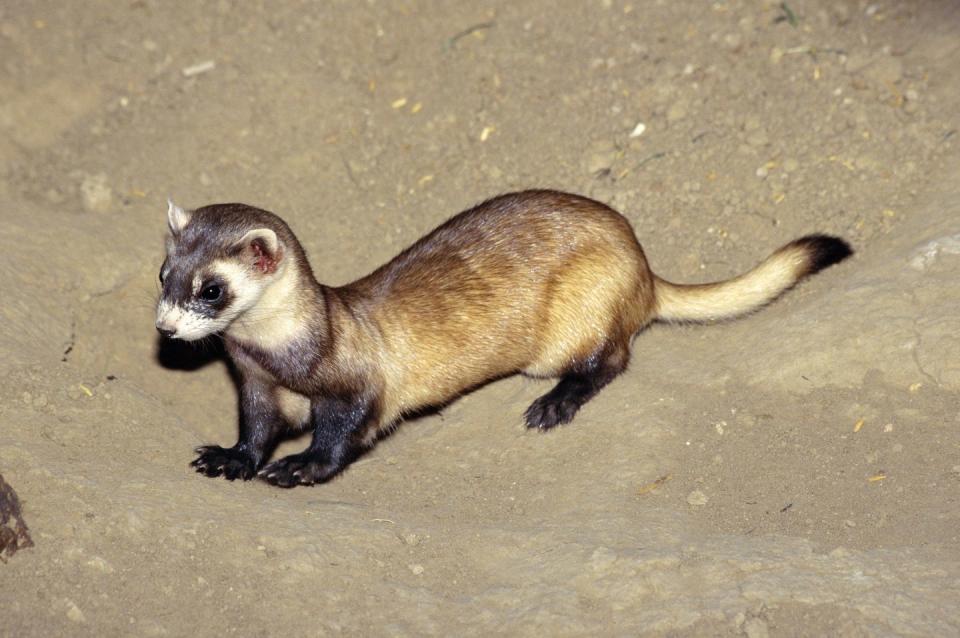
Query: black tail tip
(823, 251)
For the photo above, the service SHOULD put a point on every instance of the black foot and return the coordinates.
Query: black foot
(549, 411)
(298, 469)
(559, 405)
(577, 387)
(229, 462)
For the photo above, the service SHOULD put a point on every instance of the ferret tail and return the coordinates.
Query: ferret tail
(752, 290)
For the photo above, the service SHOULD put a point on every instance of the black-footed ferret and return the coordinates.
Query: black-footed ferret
(542, 283)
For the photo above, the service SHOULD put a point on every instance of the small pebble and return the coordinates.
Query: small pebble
(697, 498)
(74, 613)
(417, 569)
(638, 130)
(676, 112)
(96, 194)
(197, 69)
(602, 558)
(100, 564)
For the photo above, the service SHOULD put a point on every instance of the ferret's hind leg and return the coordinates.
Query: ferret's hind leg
(577, 386)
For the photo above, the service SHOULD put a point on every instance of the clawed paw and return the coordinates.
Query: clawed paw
(297, 470)
(230, 463)
(547, 412)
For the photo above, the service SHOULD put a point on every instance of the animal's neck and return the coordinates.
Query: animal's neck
(285, 311)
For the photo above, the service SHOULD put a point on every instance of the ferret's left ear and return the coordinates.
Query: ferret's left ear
(177, 218)
(261, 249)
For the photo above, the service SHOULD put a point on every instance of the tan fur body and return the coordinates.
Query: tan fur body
(530, 285)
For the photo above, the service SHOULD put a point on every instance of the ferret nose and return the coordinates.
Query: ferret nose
(166, 332)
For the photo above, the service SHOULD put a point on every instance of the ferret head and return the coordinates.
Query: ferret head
(220, 261)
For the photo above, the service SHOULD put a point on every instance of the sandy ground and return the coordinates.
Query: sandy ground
(721, 487)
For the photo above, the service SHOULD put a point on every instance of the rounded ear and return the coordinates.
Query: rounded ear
(177, 218)
(261, 249)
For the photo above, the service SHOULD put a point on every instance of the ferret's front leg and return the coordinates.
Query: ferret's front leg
(260, 427)
(338, 426)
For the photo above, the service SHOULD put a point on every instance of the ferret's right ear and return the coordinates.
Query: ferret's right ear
(177, 218)
(262, 249)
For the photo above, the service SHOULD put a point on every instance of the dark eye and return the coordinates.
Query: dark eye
(161, 276)
(211, 292)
